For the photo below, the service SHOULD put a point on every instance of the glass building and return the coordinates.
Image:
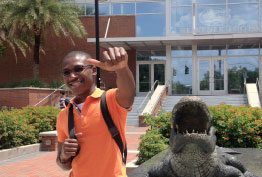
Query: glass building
(198, 47)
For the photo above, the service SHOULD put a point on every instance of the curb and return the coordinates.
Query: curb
(131, 166)
(6, 154)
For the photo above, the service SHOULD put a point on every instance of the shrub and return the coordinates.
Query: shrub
(26, 83)
(151, 144)
(33, 83)
(14, 130)
(55, 84)
(237, 126)
(22, 126)
(161, 122)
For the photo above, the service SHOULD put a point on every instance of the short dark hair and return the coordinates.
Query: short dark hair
(62, 92)
(77, 53)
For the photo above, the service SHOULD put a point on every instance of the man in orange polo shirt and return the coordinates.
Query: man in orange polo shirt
(94, 153)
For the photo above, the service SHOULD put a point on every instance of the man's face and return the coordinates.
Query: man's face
(78, 75)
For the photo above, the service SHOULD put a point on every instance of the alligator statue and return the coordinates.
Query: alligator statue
(193, 151)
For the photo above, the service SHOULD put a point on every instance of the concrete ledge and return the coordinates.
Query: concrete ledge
(48, 133)
(18, 151)
(48, 140)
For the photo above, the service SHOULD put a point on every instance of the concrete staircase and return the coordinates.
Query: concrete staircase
(132, 119)
(133, 132)
(235, 100)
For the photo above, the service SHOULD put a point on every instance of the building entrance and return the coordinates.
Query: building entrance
(147, 73)
(212, 76)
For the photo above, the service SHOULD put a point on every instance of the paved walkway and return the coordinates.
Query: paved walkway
(42, 164)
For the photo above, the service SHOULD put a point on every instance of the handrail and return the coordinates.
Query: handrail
(257, 83)
(147, 95)
(245, 82)
(167, 83)
(49, 95)
(107, 26)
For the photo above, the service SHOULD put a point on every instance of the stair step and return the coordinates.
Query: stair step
(235, 100)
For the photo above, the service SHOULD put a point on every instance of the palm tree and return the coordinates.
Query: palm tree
(6, 38)
(34, 17)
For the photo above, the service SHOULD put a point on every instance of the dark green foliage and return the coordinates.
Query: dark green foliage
(55, 84)
(33, 83)
(156, 138)
(151, 144)
(2, 49)
(161, 123)
(237, 126)
(22, 126)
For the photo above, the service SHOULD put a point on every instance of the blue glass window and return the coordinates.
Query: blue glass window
(211, 50)
(149, 25)
(104, 9)
(211, 19)
(123, 8)
(90, 9)
(241, 1)
(182, 76)
(181, 20)
(243, 17)
(243, 50)
(182, 51)
(181, 2)
(210, 1)
(260, 20)
(150, 7)
(239, 70)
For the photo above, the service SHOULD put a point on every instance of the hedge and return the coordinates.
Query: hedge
(22, 126)
(235, 127)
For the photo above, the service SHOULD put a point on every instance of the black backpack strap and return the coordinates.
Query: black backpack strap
(71, 125)
(112, 128)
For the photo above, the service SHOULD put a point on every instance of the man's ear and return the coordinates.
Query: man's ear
(94, 71)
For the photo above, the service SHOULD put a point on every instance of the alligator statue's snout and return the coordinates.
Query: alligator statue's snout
(191, 114)
(193, 151)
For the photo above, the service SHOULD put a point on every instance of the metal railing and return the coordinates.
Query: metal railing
(49, 95)
(257, 84)
(245, 83)
(150, 93)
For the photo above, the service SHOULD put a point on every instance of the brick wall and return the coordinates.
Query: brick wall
(21, 97)
(56, 48)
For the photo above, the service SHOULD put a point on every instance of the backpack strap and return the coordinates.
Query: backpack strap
(112, 128)
(71, 125)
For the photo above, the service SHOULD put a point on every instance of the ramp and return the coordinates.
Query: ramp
(252, 95)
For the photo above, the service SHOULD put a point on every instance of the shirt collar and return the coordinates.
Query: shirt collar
(97, 93)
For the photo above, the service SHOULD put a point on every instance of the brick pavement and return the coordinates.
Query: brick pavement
(42, 164)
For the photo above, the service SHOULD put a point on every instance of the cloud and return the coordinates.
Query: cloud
(211, 17)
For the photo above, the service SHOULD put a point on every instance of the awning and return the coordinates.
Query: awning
(153, 43)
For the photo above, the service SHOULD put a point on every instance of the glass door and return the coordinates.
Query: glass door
(148, 73)
(211, 76)
(219, 76)
(144, 77)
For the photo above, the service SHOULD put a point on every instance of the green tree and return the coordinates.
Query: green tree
(6, 37)
(36, 17)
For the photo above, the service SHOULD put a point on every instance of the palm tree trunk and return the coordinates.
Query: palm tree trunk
(36, 56)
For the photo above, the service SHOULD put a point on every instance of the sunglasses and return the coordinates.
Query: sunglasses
(76, 70)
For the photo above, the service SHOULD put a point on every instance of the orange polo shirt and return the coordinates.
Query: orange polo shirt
(99, 155)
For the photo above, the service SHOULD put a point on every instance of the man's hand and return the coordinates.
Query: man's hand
(69, 148)
(114, 59)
